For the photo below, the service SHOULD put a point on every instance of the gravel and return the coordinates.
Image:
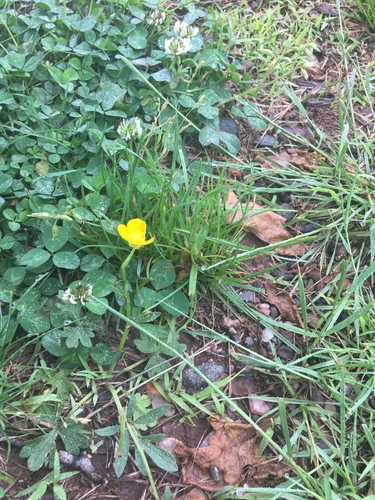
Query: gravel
(192, 380)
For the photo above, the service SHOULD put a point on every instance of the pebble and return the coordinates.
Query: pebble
(259, 407)
(307, 227)
(249, 342)
(266, 141)
(267, 335)
(228, 126)
(284, 197)
(248, 296)
(289, 213)
(274, 312)
(191, 379)
(285, 353)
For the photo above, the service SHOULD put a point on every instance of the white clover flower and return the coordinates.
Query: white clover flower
(68, 296)
(130, 129)
(183, 30)
(177, 46)
(156, 17)
(80, 294)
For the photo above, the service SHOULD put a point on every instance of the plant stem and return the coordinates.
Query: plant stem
(128, 308)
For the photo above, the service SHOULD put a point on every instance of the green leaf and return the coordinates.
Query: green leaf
(161, 457)
(39, 492)
(257, 123)
(209, 136)
(16, 60)
(55, 344)
(103, 355)
(138, 38)
(5, 182)
(209, 112)
(38, 450)
(91, 262)
(15, 275)
(152, 416)
(102, 282)
(99, 203)
(77, 334)
(132, 405)
(45, 4)
(122, 455)
(96, 307)
(84, 24)
(72, 434)
(146, 298)
(50, 287)
(162, 75)
(31, 63)
(66, 260)
(54, 239)
(140, 463)
(34, 258)
(6, 290)
(187, 102)
(162, 274)
(231, 141)
(111, 430)
(34, 323)
(109, 95)
(208, 98)
(175, 303)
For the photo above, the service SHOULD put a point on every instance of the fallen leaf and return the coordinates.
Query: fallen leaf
(195, 494)
(268, 226)
(284, 303)
(231, 447)
(274, 161)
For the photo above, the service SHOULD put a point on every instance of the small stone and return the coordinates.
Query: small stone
(274, 312)
(288, 211)
(228, 126)
(285, 353)
(248, 296)
(193, 380)
(307, 227)
(267, 335)
(249, 342)
(284, 197)
(259, 407)
(266, 141)
(264, 309)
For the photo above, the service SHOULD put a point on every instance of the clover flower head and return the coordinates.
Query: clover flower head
(183, 30)
(177, 46)
(134, 232)
(81, 293)
(130, 129)
(156, 17)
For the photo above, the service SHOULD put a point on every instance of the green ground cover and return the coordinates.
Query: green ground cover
(114, 180)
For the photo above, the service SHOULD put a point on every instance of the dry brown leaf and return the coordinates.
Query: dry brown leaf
(267, 226)
(231, 447)
(284, 303)
(280, 160)
(195, 494)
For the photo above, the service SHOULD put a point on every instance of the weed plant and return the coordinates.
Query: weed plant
(98, 121)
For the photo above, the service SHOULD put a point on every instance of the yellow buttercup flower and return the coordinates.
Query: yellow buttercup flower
(134, 232)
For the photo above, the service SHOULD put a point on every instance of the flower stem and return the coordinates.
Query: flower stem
(128, 308)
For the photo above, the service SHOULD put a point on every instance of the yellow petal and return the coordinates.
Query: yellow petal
(123, 232)
(134, 233)
(137, 226)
